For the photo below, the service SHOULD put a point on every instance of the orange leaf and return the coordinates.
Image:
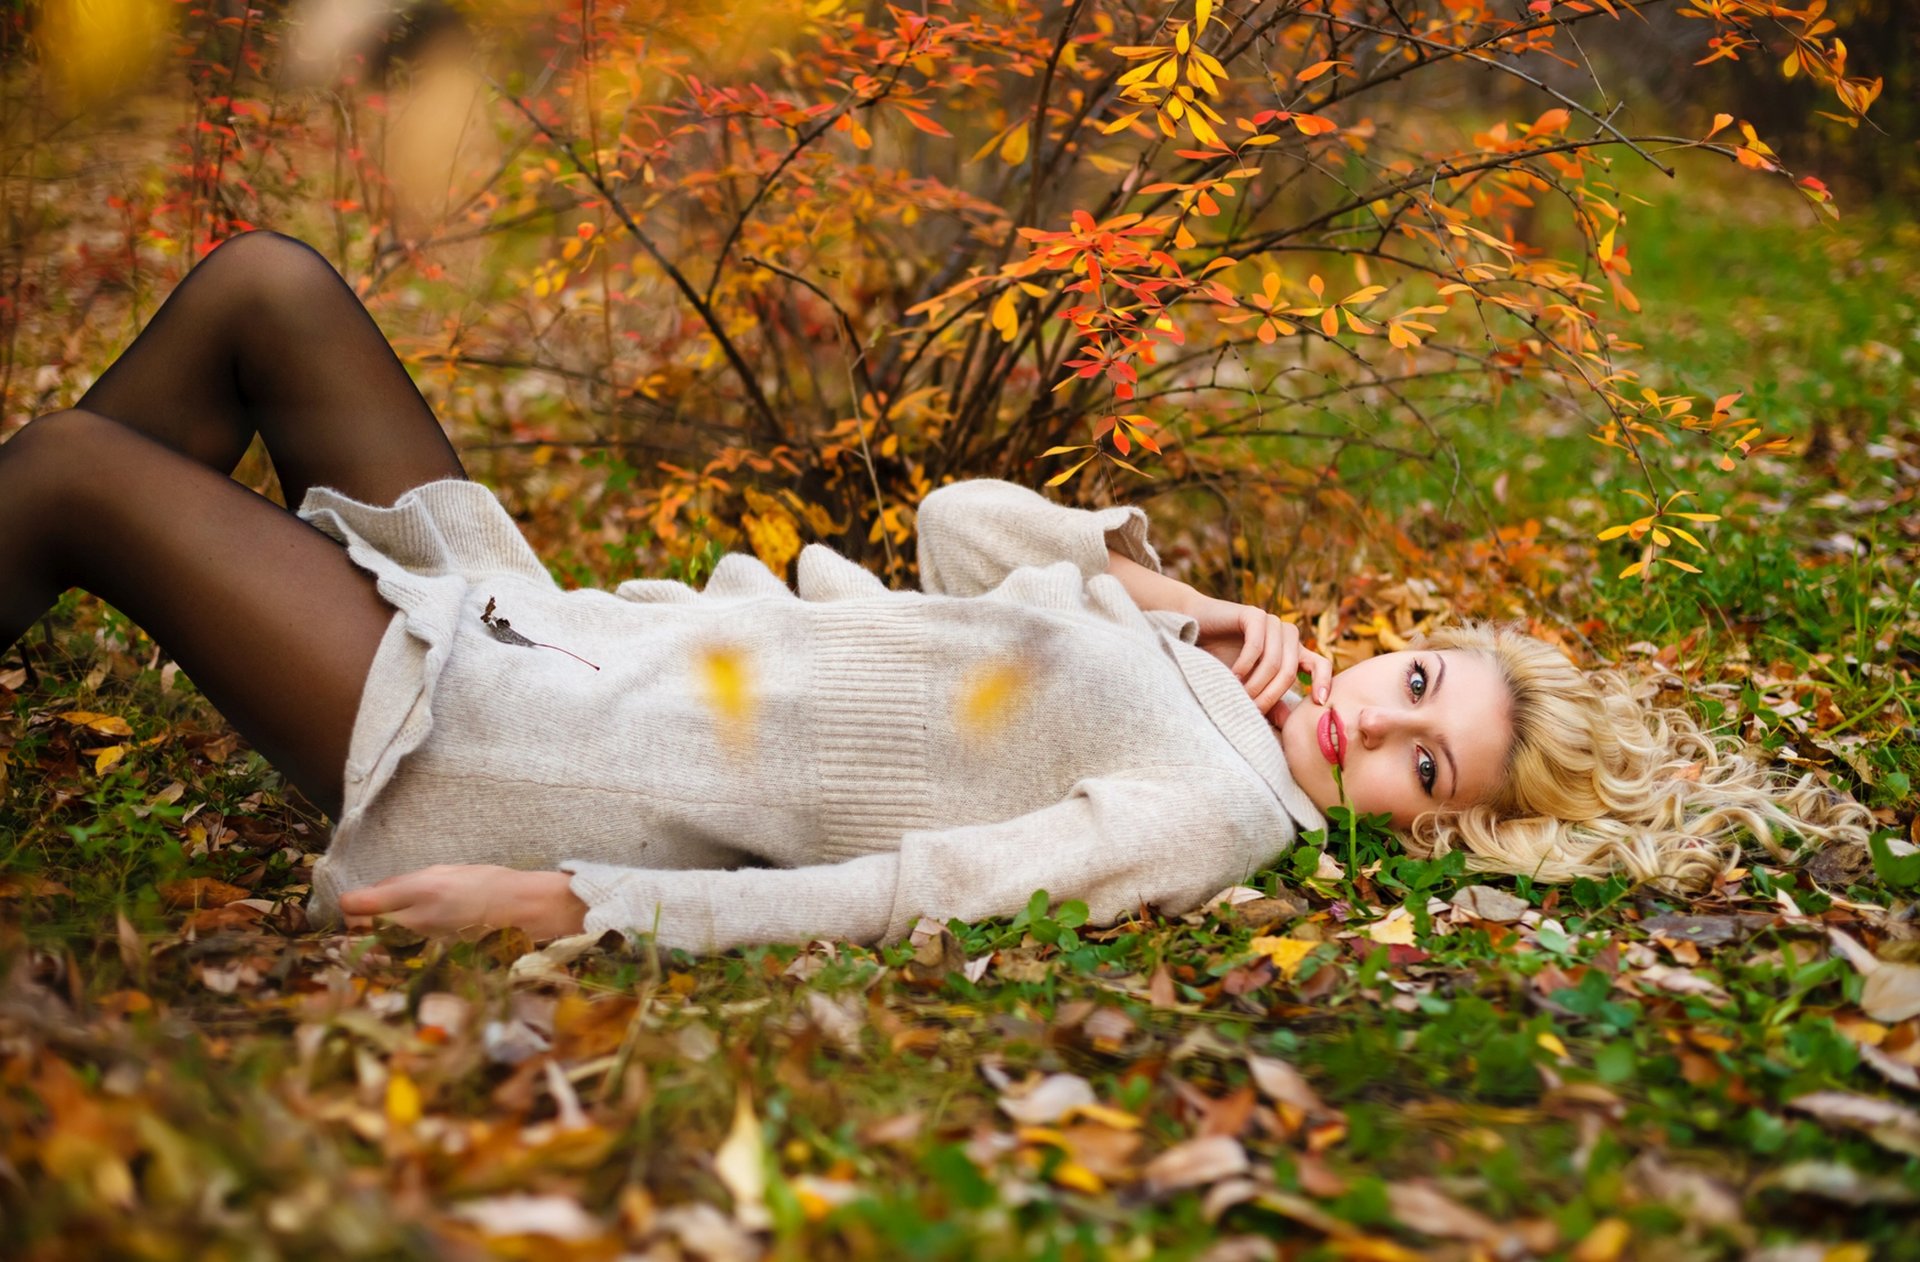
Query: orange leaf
(926, 124)
(1314, 124)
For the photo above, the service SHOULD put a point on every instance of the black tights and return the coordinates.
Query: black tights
(127, 495)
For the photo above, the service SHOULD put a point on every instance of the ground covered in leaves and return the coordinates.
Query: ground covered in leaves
(1358, 1056)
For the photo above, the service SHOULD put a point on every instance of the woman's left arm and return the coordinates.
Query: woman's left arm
(452, 898)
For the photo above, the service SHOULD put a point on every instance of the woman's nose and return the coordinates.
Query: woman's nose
(1374, 725)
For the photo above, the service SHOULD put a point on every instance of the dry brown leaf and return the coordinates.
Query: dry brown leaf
(1891, 1125)
(1048, 1100)
(1896, 1071)
(1892, 989)
(1891, 992)
(840, 1019)
(199, 891)
(1484, 902)
(1837, 1181)
(558, 1217)
(1196, 1162)
(1681, 981)
(1283, 1084)
(1424, 1208)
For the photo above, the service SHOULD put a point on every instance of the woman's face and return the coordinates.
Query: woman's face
(1411, 731)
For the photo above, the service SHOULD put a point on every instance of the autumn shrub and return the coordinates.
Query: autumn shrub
(793, 263)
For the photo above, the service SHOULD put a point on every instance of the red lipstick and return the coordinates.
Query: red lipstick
(1333, 738)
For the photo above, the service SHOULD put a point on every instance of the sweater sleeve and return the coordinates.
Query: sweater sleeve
(1167, 837)
(973, 534)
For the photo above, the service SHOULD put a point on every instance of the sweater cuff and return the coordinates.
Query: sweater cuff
(708, 911)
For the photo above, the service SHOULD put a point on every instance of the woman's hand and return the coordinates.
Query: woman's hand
(1263, 652)
(458, 898)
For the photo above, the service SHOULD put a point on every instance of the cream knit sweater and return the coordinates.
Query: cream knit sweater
(750, 765)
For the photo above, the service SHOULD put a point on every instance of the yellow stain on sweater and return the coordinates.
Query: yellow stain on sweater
(988, 697)
(727, 684)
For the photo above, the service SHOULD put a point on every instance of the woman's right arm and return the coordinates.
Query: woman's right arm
(1263, 652)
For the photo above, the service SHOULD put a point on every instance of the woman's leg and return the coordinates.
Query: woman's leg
(263, 336)
(268, 617)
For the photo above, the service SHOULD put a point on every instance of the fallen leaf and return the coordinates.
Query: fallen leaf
(1700, 930)
(1421, 1207)
(1891, 992)
(199, 891)
(1898, 1072)
(1283, 1084)
(1195, 1162)
(1286, 953)
(1606, 1242)
(1396, 929)
(1681, 981)
(1888, 1124)
(105, 724)
(1484, 902)
(1048, 1100)
(559, 1217)
(445, 1012)
(1837, 1181)
(741, 1164)
(839, 1019)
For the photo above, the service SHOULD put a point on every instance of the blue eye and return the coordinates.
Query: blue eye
(1417, 680)
(1427, 771)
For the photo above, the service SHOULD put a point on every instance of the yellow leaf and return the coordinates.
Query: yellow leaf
(1681, 565)
(1058, 478)
(1286, 953)
(1606, 1242)
(1013, 151)
(105, 758)
(1118, 124)
(1106, 1115)
(105, 724)
(741, 1163)
(1072, 1174)
(773, 538)
(1551, 1041)
(403, 1100)
(1613, 532)
(1720, 121)
(1606, 245)
(1395, 930)
(1202, 12)
(1633, 569)
(1006, 315)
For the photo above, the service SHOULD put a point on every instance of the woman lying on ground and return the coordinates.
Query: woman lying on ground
(744, 764)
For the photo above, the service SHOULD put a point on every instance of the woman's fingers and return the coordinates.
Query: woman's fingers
(1282, 648)
(1253, 629)
(1286, 665)
(1322, 670)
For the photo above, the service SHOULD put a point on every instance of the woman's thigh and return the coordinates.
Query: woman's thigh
(266, 615)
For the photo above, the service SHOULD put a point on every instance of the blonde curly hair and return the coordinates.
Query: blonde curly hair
(1600, 780)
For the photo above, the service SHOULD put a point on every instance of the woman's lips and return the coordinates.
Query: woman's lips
(1333, 738)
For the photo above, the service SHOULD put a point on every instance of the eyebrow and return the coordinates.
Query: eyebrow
(1439, 682)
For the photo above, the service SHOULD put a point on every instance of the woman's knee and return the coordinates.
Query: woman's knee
(272, 275)
(58, 448)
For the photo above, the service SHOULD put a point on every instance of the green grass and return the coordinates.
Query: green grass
(233, 1087)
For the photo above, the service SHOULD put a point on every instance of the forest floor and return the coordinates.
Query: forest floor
(1359, 1056)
